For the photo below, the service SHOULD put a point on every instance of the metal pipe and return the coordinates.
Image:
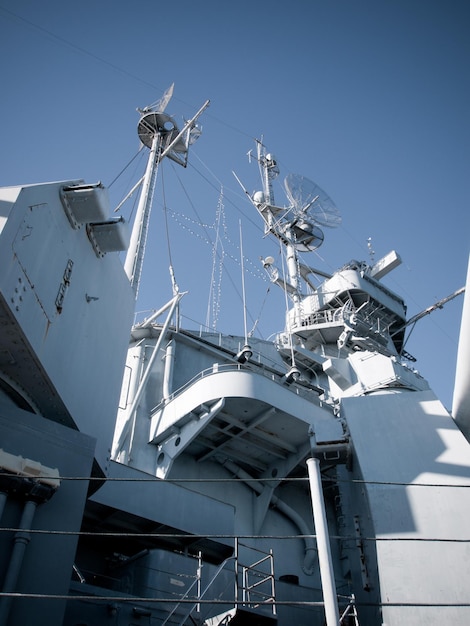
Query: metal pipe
(146, 323)
(289, 512)
(20, 541)
(168, 370)
(135, 401)
(188, 125)
(135, 252)
(3, 500)
(138, 183)
(323, 544)
(156, 349)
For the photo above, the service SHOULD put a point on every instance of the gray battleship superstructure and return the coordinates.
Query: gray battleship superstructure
(150, 474)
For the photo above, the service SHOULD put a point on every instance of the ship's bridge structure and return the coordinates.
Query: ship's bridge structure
(352, 309)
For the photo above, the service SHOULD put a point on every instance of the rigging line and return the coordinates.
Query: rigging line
(234, 128)
(134, 187)
(287, 479)
(131, 214)
(119, 69)
(188, 197)
(201, 223)
(254, 223)
(207, 168)
(268, 290)
(79, 48)
(180, 219)
(217, 601)
(165, 214)
(115, 67)
(157, 600)
(95, 57)
(126, 166)
(194, 536)
(214, 298)
(201, 535)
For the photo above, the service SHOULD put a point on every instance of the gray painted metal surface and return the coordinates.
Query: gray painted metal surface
(68, 314)
(50, 553)
(415, 466)
(210, 436)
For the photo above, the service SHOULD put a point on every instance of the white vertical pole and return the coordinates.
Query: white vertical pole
(135, 253)
(243, 283)
(323, 544)
(461, 398)
(199, 576)
(131, 413)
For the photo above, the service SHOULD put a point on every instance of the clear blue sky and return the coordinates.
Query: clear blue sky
(370, 99)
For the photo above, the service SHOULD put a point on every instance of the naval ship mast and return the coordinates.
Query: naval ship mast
(157, 131)
(297, 226)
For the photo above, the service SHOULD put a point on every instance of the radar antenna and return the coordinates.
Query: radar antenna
(310, 207)
(160, 105)
(306, 196)
(297, 226)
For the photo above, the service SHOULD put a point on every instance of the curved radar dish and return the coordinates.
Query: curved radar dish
(307, 236)
(307, 197)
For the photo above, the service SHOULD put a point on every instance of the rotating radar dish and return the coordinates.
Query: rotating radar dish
(307, 197)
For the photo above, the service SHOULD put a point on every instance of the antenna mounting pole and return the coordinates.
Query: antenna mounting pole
(159, 132)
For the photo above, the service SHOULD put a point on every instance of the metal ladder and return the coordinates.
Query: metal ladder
(253, 586)
(258, 583)
(349, 613)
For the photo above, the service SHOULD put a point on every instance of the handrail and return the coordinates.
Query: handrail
(350, 611)
(209, 371)
(201, 595)
(247, 589)
(218, 368)
(250, 590)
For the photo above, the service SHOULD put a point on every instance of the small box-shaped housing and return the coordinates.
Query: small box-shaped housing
(85, 203)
